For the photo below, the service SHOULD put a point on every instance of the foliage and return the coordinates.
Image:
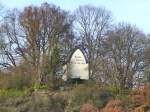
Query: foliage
(35, 43)
(19, 78)
(13, 81)
(114, 106)
(42, 37)
(12, 93)
(37, 86)
(88, 108)
(36, 102)
(87, 94)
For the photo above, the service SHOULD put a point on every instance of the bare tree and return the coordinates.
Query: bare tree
(126, 47)
(92, 24)
(146, 78)
(6, 31)
(34, 34)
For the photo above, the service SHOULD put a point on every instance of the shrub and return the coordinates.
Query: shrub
(88, 108)
(38, 101)
(15, 81)
(82, 94)
(141, 96)
(37, 86)
(44, 102)
(18, 78)
(114, 106)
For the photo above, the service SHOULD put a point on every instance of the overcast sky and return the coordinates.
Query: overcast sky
(136, 12)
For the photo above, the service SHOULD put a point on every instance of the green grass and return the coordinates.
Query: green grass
(13, 93)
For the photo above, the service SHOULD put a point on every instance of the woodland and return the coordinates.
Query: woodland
(35, 43)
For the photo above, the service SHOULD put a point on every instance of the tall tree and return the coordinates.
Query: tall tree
(8, 48)
(147, 61)
(92, 24)
(126, 47)
(35, 33)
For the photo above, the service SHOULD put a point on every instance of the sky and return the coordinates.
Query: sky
(136, 12)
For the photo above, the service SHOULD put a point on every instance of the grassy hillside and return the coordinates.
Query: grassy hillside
(78, 98)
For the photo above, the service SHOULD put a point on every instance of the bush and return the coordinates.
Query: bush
(114, 106)
(37, 86)
(39, 101)
(105, 96)
(15, 81)
(82, 94)
(18, 78)
(141, 96)
(88, 108)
